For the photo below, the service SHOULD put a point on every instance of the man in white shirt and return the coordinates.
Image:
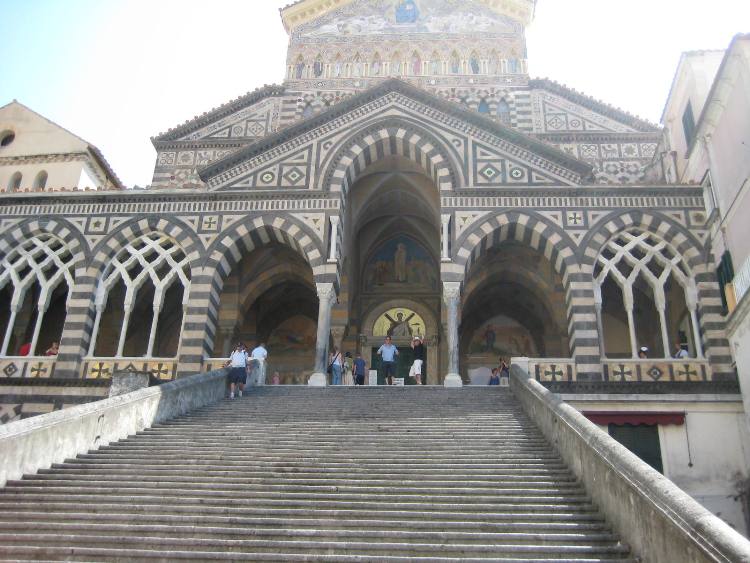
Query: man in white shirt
(238, 369)
(680, 352)
(259, 356)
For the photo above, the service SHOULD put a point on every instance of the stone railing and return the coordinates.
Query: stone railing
(103, 368)
(27, 367)
(656, 518)
(553, 370)
(656, 370)
(36, 443)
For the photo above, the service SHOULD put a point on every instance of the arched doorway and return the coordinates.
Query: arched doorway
(391, 249)
(514, 305)
(269, 297)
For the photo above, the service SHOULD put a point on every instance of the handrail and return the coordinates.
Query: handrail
(659, 520)
(26, 446)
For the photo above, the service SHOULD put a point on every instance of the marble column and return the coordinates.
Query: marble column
(326, 297)
(333, 255)
(451, 296)
(445, 255)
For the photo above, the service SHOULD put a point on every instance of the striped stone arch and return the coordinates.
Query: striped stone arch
(139, 226)
(681, 239)
(393, 137)
(553, 243)
(61, 228)
(230, 247)
(33, 244)
(534, 230)
(79, 324)
(698, 259)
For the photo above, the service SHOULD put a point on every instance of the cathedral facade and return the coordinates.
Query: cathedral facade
(407, 178)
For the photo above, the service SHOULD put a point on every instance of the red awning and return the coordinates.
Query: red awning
(635, 418)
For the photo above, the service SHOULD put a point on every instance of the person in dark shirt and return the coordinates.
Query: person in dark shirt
(495, 377)
(359, 369)
(416, 368)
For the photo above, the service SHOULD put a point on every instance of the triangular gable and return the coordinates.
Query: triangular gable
(37, 135)
(248, 118)
(559, 109)
(299, 157)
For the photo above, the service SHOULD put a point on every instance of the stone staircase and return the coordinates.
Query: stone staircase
(301, 474)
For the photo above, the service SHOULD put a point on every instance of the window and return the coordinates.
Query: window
(15, 182)
(484, 107)
(688, 124)
(708, 193)
(725, 273)
(503, 112)
(40, 182)
(642, 440)
(6, 138)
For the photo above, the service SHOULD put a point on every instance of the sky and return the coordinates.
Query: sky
(117, 72)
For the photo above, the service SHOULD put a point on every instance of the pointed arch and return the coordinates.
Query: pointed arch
(435, 64)
(376, 68)
(475, 66)
(299, 68)
(415, 66)
(318, 66)
(396, 64)
(455, 63)
(697, 258)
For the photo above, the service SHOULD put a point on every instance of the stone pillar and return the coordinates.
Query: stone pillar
(445, 254)
(334, 253)
(599, 321)
(326, 297)
(451, 296)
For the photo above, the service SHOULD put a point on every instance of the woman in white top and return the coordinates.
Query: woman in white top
(335, 361)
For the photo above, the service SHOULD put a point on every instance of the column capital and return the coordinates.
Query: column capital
(445, 218)
(451, 291)
(326, 291)
(335, 219)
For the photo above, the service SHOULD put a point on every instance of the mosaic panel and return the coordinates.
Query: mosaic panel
(103, 368)
(656, 371)
(27, 368)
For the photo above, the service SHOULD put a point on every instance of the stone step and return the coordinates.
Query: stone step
(239, 494)
(317, 533)
(290, 481)
(138, 555)
(303, 466)
(306, 546)
(517, 514)
(310, 475)
(486, 493)
(518, 525)
(316, 475)
(537, 504)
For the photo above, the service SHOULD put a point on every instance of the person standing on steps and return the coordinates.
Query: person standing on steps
(238, 369)
(259, 356)
(416, 368)
(348, 372)
(360, 369)
(388, 353)
(335, 361)
(495, 377)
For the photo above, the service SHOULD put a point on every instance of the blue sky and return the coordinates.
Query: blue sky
(117, 72)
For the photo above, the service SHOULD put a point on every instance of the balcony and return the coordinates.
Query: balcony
(741, 282)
